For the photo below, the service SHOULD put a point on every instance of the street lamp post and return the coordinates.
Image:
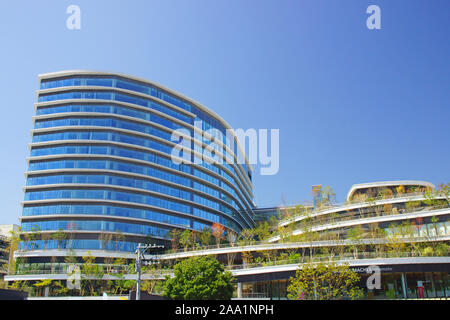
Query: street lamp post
(140, 251)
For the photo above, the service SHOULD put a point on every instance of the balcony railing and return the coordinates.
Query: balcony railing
(381, 213)
(348, 204)
(62, 268)
(346, 257)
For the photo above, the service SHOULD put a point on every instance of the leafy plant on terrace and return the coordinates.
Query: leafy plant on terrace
(91, 273)
(199, 278)
(324, 282)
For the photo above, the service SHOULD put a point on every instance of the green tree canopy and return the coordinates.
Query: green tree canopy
(324, 282)
(199, 278)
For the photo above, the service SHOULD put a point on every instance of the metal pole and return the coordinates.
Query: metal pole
(138, 267)
(139, 264)
(404, 289)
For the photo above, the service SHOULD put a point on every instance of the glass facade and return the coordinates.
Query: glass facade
(398, 285)
(100, 161)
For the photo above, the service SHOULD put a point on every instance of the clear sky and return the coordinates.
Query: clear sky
(353, 105)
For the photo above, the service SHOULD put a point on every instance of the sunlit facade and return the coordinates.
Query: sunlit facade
(100, 166)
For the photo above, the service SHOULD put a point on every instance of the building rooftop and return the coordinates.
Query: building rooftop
(356, 187)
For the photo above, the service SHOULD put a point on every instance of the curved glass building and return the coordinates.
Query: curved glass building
(100, 170)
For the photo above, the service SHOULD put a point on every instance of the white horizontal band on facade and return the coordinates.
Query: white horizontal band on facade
(93, 217)
(166, 116)
(47, 91)
(134, 191)
(128, 174)
(291, 245)
(102, 88)
(37, 172)
(350, 262)
(51, 172)
(219, 251)
(237, 177)
(69, 73)
(111, 202)
(261, 270)
(134, 133)
(137, 161)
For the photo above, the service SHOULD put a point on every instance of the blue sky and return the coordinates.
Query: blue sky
(353, 105)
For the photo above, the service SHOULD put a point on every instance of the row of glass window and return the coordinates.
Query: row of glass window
(31, 195)
(99, 108)
(109, 180)
(117, 166)
(116, 82)
(103, 122)
(206, 202)
(107, 210)
(111, 122)
(133, 183)
(208, 122)
(80, 244)
(113, 210)
(123, 152)
(107, 195)
(120, 137)
(104, 136)
(200, 226)
(216, 218)
(109, 165)
(106, 95)
(94, 225)
(201, 187)
(117, 137)
(108, 150)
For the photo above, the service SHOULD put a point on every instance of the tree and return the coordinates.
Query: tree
(443, 190)
(326, 197)
(60, 289)
(174, 238)
(262, 231)
(105, 239)
(395, 240)
(119, 237)
(186, 239)
(247, 236)
(199, 278)
(120, 284)
(218, 231)
(45, 237)
(412, 205)
(205, 237)
(151, 285)
(92, 274)
(60, 236)
(232, 237)
(13, 246)
(355, 236)
(324, 282)
(400, 190)
(42, 284)
(32, 236)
